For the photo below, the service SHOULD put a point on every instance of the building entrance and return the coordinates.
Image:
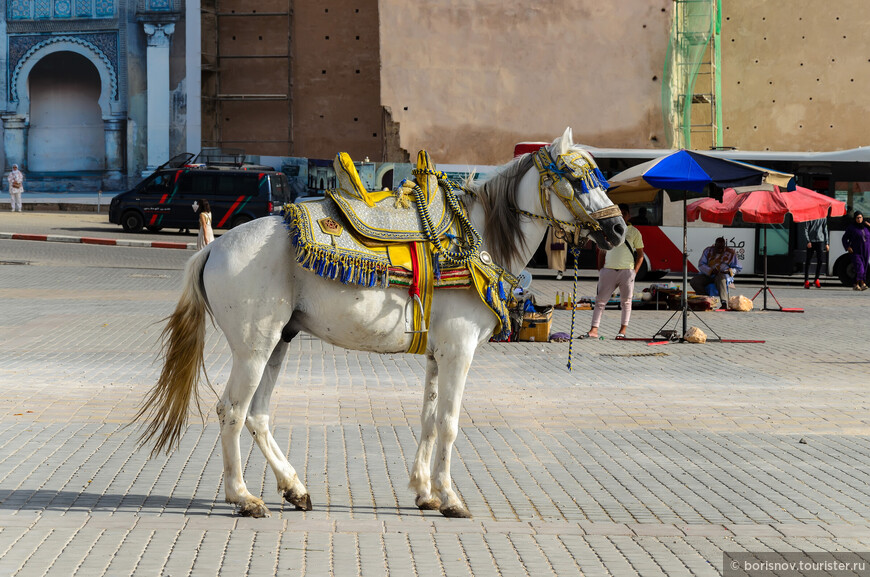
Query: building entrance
(66, 133)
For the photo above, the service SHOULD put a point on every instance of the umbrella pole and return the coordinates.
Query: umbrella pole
(765, 266)
(766, 289)
(685, 297)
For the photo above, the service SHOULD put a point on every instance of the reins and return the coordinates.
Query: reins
(549, 175)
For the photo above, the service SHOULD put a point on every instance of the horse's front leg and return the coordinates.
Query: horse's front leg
(257, 422)
(421, 477)
(453, 366)
(232, 411)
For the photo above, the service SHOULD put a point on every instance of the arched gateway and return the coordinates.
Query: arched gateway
(68, 118)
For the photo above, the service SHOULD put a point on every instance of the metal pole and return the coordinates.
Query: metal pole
(765, 267)
(685, 299)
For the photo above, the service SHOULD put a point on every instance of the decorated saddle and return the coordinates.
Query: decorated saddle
(384, 215)
(417, 236)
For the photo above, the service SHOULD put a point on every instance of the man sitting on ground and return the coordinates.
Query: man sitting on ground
(718, 265)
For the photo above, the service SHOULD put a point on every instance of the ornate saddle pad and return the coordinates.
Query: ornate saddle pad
(326, 246)
(378, 239)
(389, 216)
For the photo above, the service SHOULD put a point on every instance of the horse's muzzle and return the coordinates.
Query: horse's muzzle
(612, 232)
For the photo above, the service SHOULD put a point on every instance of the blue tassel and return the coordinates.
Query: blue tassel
(436, 266)
(501, 292)
(373, 278)
(584, 187)
(320, 267)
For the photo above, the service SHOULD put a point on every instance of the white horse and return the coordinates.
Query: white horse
(250, 283)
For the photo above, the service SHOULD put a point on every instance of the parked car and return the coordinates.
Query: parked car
(237, 193)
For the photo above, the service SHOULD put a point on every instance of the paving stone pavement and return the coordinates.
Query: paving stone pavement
(644, 460)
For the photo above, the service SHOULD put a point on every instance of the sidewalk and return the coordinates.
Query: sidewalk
(61, 201)
(82, 226)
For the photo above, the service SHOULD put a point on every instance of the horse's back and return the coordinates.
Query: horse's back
(252, 280)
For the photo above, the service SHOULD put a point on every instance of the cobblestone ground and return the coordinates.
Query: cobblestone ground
(643, 460)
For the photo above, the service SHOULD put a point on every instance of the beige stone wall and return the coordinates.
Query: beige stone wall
(795, 75)
(467, 79)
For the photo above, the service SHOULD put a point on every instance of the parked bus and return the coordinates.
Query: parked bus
(844, 175)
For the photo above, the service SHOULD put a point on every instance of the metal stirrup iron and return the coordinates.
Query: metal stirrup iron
(412, 303)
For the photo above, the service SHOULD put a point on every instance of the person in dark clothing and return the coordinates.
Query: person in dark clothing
(816, 232)
(856, 241)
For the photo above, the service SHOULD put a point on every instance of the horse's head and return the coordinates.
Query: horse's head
(570, 174)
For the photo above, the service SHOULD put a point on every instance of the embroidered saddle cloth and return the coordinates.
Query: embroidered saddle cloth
(329, 243)
(391, 216)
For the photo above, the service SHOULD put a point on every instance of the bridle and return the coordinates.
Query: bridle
(558, 177)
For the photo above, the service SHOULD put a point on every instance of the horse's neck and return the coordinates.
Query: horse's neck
(531, 229)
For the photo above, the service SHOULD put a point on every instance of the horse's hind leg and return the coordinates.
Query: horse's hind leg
(421, 476)
(258, 425)
(232, 411)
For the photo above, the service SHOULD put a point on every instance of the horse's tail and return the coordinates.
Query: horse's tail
(183, 341)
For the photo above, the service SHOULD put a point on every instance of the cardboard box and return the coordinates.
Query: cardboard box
(536, 325)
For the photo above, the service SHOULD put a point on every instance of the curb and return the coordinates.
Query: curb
(95, 240)
(59, 207)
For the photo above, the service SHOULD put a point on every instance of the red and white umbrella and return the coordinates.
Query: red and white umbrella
(765, 204)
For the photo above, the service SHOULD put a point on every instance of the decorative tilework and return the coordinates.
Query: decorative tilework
(42, 9)
(159, 4)
(103, 44)
(19, 9)
(105, 8)
(84, 9)
(62, 9)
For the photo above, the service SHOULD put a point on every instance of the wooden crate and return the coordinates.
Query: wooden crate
(536, 325)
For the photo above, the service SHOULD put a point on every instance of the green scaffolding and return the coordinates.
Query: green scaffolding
(693, 51)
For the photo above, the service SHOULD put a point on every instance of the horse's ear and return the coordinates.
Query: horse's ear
(566, 141)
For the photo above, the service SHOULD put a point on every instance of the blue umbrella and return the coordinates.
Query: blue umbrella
(689, 174)
(686, 174)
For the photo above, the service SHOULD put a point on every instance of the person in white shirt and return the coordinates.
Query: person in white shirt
(617, 267)
(16, 187)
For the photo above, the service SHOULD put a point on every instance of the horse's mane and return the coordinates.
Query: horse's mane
(498, 195)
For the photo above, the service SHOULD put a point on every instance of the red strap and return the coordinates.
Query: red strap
(414, 289)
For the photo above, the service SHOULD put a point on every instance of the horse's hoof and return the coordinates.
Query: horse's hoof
(456, 512)
(255, 510)
(301, 502)
(430, 504)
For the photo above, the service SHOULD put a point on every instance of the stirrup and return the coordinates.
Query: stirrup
(409, 315)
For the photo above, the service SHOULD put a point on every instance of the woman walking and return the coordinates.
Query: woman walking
(856, 241)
